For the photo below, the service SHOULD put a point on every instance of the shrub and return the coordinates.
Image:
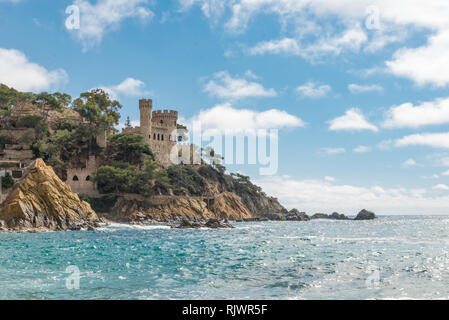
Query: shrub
(28, 121)
(186, 179)
(7, 182)
(103, 204)
(5, 139)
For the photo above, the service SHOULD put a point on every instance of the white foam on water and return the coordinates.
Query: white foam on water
(117, 226)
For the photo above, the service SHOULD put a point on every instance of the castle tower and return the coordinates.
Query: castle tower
(145, 106)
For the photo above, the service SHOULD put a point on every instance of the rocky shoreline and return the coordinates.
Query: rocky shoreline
(41, 202)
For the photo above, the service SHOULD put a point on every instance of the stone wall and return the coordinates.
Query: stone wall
(80, 179)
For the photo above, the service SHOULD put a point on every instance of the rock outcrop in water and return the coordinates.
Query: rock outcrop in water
(211, 223)
(365, 215)
(40, 202)
(333, 216)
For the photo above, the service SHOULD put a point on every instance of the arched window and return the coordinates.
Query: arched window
(169, 137)
(154, 136)
(75, 178)
(88, 178)
(162, 121)
(162, 137)
(158, 136)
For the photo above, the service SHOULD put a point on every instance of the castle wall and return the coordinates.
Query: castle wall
(161, 151)
(80, 179)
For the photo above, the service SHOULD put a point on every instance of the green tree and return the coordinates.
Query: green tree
(47, 102)
(128, 148)
(8, 100)
(98, 111)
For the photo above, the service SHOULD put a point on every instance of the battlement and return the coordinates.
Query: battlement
(146, 103)
(161, 117)
(165, 114)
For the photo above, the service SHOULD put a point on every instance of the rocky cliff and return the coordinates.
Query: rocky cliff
(131, 208)
(40, 201)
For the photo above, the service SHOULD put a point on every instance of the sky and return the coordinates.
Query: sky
(358, 90)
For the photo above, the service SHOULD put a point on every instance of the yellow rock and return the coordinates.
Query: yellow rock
(40, 201)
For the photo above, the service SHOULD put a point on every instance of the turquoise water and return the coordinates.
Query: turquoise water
(407, 258)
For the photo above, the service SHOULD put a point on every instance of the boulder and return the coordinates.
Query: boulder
(337, 216)
(40, 202)
(365, 215)
(319, 216)
(217, 224)
(211, 223)
(295, 215)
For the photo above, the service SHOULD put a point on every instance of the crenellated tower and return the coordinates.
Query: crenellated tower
(146, 107)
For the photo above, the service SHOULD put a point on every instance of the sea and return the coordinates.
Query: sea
(393, 257)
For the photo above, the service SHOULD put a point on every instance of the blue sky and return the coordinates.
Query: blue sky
(360, 88)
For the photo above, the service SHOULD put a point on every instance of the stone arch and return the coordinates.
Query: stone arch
(75, 178)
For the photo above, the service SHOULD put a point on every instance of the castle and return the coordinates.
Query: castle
(159, 130)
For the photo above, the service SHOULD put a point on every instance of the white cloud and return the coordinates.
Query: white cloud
(312, 90)
(435, 140)
(333, 151)
(353, 120)
(428, 64)
(224, 86)
(362, 149)
(409, 163)
(225, 118)
(129, 87)
(105, 16)
(440, 187)
(18, 72)
(409, 116)
(321, 196)
(329, 179)
(434, 176)
(306, 31)
(350, 40)
(355, 88)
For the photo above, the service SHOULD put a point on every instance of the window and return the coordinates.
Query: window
(154, 136)
(162, 121)
(17, 174)
(88, 178)
(162, 137)
(75, 178)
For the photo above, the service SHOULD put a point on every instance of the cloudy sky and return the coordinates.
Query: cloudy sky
(358, 89)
